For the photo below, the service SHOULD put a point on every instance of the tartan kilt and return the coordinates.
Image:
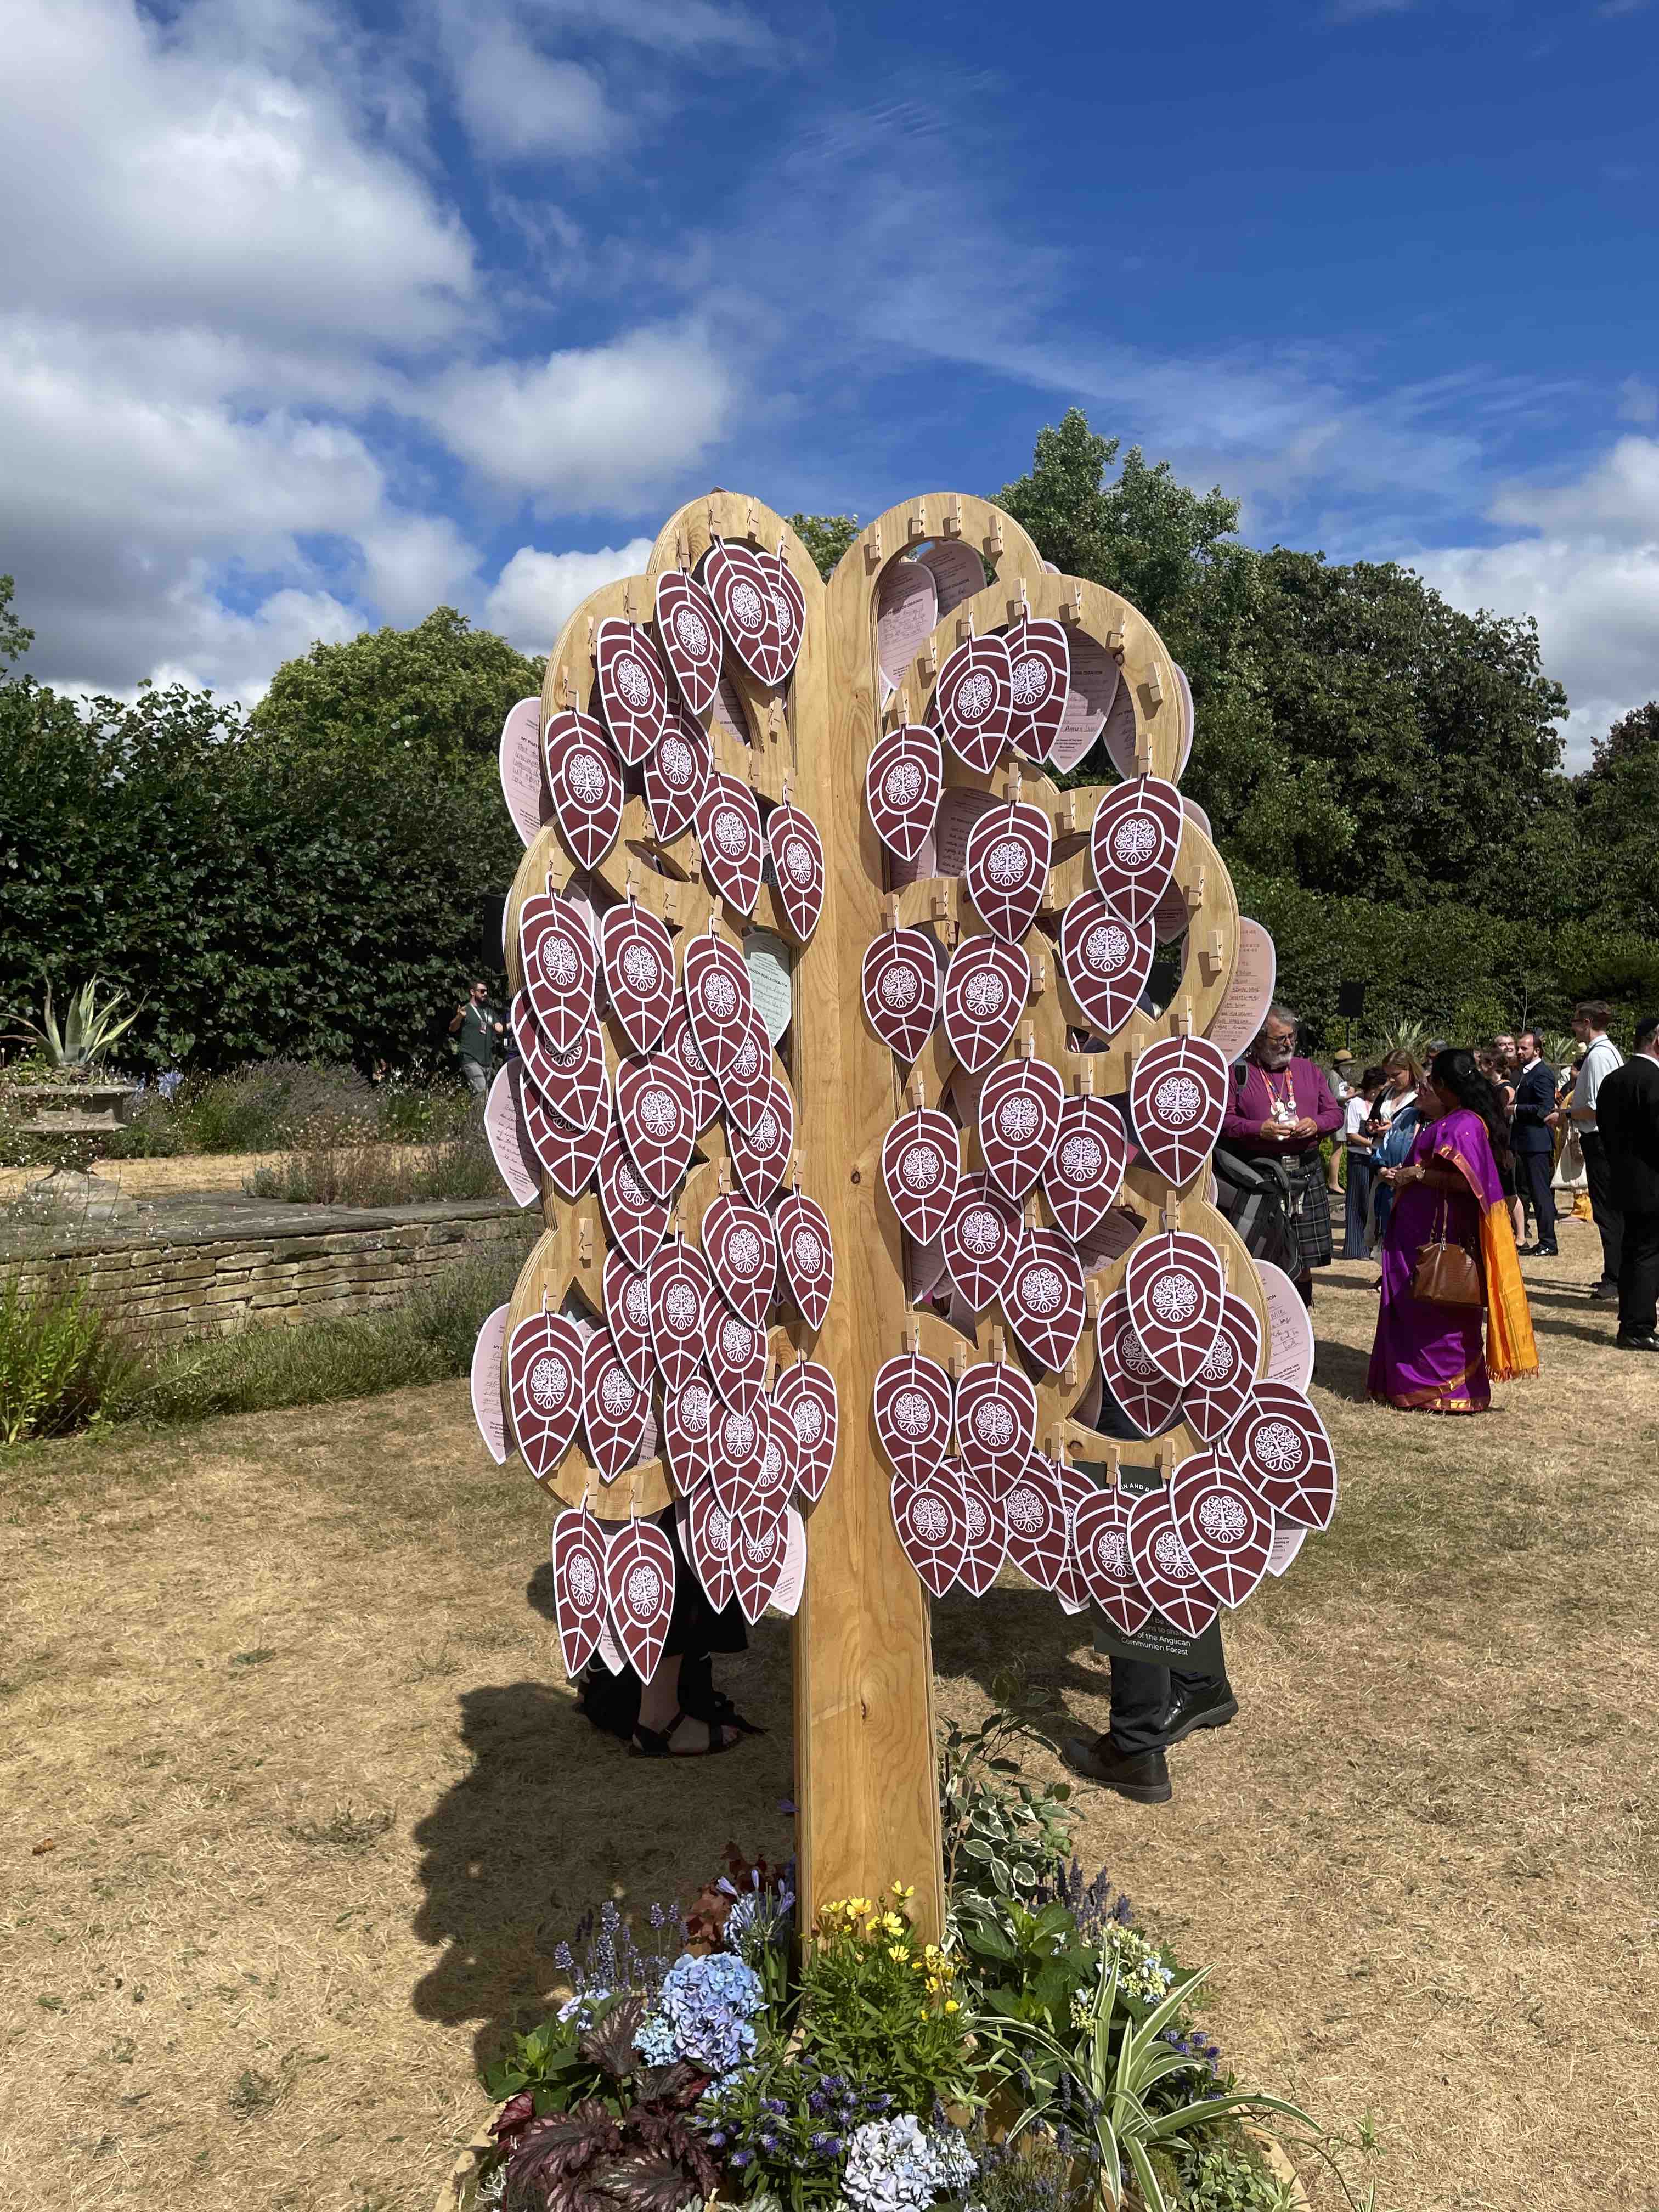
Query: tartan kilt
(1310, 1212)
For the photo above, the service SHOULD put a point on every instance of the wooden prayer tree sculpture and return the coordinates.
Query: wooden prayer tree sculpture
(867, 1250)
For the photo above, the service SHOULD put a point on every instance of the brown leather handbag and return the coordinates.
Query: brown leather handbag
(1446, 1273)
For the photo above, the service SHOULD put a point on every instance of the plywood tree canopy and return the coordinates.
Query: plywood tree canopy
(866, 1791)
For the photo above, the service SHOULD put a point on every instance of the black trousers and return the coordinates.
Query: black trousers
(1140, 1698)
(1532, 1172)
(1638, 1277)
(1598, 1173)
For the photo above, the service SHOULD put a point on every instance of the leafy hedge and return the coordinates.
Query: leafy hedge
(1464, 971)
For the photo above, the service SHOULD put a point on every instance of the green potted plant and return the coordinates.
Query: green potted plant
(69, 1098)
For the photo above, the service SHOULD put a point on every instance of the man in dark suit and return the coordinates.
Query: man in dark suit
(1532, 1141)
(1627, 1118)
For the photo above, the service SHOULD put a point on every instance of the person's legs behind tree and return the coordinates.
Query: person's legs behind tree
(1153, 1708)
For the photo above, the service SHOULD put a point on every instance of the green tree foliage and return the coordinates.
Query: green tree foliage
(442, 690)
(260, 894)
(1617, 820)
(826, 538)
(14, 640)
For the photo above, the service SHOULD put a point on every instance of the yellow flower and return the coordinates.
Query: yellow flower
(892, 1924)
(896, 1951)
(904, 1889)
(950, 2005)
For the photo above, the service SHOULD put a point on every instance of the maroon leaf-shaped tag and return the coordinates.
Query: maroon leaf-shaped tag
(1177, 1096)
(808, 1253)
(920, 1163)
(639, 971)
(1145, 1393)
(930, 1517)
(775, 1482)
(573, 1082)
(789, 601)
(746, 602)
(980, 1241)
(902, 788)
(633, 688)
(587, 788)
(615, 1408)
(676, 777)
(984, 1533)
(985, 987)
(1044, 1300)
(1174, 1288)
(900, 989)
(1035, 1510)
(658, 1121)
(1163, 1566)
(1085, 1171)
(737, 1453)
(719, 1000)
(729, 839)
(1223, 1389)
(706, 1537)
(805, 1396)
(689, 633)
(636, 1217)
(761, 1155)
(1019, 1111)
(680, 1045)
(686, 1414)
(1279, 1444)
(1006, 867)
(579, 1598)
(557, 955)
(678, 1282)
(1222, 1522)
(628, 1317)
(913, 1413)
(797, 853)
(760, 1538)
(974, 703)
(1104, 960)
(570, 1154)
(1039, 675)
(746, 1081)
(996, 1423)
(1100, 1545)
(735, 1352)
(545, 1389)
(742, 1254)
(1133, 845)
(639, 1581)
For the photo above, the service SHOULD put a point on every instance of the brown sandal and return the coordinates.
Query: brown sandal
(658, 1743)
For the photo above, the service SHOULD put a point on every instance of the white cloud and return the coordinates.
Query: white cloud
(1589, 570)
(595, 427)
(537, 594)
(516, 101)
(1638, 400)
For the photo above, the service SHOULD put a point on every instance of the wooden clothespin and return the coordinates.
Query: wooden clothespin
(1066, 816)
(1027, 1040)
(1113, 1464)
(671, 902)
(1198, 888)
(628, 599)
(682, 560)
(1020, 606)
(953, 515)
(965, 625)
(1143, 753)
(1093, 1298)
(771, 1374)
(1183, 1016)
(563, 689)
(748, 518)
(1162, 1462)
(584, 1242)
(958, 1364)
(714, 525)
(1211, 959)
(1039, 975)
(993, 531)
(889, 911)
(1070, 607)
(1012, 784)
(1085, 1077)
(873, 546)
(927, 661)
(910, 1335)
(1068, 1373)
(918, 1089)
(635, 1501)
(998, 1348)
(1169, 1216)
(774, 719)
(1057, 1446)
(631, 881)
(1115, 644)
(1154, 688)
(915, 523)
(592, 632)
(944, 914)
(723, 1178)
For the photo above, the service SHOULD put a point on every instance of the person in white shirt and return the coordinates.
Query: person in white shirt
(1589, 1025)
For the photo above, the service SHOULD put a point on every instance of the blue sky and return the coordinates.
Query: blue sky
(315, 317)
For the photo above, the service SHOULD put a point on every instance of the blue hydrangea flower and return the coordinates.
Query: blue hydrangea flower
(899, 2165)
(703, 2013)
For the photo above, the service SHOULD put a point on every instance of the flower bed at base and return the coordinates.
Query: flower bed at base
(1049, 2057)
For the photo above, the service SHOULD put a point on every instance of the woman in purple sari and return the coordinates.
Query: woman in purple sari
(1429, 1357)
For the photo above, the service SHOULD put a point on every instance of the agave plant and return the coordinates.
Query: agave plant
(1114, 2088)
(1409, 1036)
(89, 1030)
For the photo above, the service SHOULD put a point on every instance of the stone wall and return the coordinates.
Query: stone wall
(294, 1263)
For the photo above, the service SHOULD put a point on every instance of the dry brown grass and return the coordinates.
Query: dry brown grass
(281, 1694)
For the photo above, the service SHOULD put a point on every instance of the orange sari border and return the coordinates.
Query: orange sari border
(1511, 1349)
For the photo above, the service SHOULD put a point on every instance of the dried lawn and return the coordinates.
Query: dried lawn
(281, 1695)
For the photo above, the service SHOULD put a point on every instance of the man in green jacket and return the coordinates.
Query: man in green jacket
(476, 1027)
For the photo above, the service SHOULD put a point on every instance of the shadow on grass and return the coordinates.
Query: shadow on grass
(551, 1817)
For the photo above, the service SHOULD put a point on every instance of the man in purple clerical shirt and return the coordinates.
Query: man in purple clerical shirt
(1280, 1109)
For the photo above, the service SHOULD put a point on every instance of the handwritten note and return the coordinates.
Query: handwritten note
(509, 1140)
(1241, 1012)
(906, 613)
(767, 958)
(957, 570)
(487, 1410)
(1289, 1330)
(1091, 694)
(524, 787)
